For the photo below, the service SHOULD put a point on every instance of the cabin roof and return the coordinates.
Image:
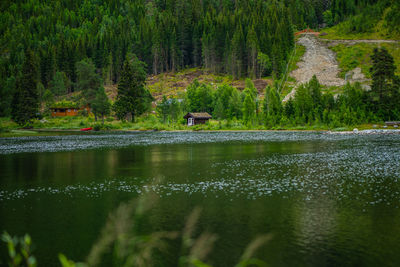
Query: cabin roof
(198, 115)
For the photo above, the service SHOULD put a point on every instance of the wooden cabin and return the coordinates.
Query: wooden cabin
(197, 118)
(67, 111)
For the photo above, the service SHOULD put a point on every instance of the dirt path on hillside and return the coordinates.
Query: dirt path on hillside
(321, 61)
(318, 60)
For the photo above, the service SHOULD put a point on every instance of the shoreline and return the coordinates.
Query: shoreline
(56, 132)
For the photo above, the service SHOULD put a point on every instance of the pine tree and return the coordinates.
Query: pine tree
(101, 104)
(385, 84)
(316, 95)
(237, 49)
(252, 50)
(59, 84)
(272, 106)
(124, 103)
(382, 72)
(7, 89)
(88, 81)
(133, 98)
(25, 104)
(289, 108)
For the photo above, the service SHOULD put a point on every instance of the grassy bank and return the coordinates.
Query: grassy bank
(359, 55)
(345, 30)
(72, 125)
(291, 82)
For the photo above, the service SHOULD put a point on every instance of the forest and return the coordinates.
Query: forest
(309, 106)
(59, 43)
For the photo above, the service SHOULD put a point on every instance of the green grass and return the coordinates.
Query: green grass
(332, 89)
(337, 32)
(342, 31)
(6, 124)
(71, 125)
(300, 50)
(358, 55)
(291, 82)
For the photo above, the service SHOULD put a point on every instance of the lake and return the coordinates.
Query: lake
(326, 199)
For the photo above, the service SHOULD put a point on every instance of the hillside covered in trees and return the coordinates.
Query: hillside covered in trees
(63, 39)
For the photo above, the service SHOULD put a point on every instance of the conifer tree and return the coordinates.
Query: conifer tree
(252, 50)
(25, 103)
(101, 104)
(272, 105)
(382, 72)
(7, 89)
(88, 81)
(133, 98)
(59, 84)
(385, 84)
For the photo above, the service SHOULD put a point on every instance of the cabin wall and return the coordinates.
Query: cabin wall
(200, 121)
(61, 112)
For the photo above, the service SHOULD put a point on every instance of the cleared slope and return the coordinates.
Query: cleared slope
(317, 60)
(320, 60)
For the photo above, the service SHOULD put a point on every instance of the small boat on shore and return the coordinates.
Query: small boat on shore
(86, 129)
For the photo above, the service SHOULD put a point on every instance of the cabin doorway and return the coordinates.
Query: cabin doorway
(190, 121)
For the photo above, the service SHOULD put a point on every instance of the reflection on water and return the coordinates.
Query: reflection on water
(327, 199)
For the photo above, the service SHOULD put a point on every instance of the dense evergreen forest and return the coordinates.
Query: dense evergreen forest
(241, 38)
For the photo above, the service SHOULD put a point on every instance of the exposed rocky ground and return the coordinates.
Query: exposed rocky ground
(321, 61)
(318, 60)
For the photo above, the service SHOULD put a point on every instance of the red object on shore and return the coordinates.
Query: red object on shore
(86, 129)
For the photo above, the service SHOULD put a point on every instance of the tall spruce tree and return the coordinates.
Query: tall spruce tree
(382, 71)
(133, 98)
(25, 103)
(384, 90)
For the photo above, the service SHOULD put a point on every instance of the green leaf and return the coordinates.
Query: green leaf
(64, 261)
(199, 263)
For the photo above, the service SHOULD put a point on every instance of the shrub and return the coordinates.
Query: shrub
(104, 127)
(83, 113)
(97, 127)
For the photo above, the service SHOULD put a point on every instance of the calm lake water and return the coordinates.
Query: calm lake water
(327, 200)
